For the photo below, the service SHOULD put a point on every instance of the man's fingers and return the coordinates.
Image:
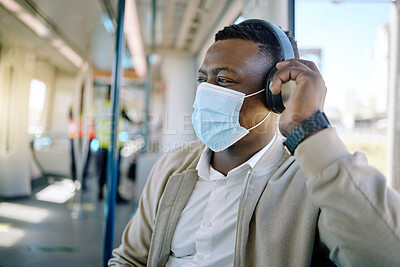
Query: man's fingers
(290, 70)
(299, 63)
(284, 75)
(309, 95)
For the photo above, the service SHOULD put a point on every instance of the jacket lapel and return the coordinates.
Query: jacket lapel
(254, 187)
(176, 194)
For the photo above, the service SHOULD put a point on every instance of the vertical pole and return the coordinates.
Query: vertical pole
(77, 211)
(113, 152)
(292, 17)
(8, 118)
(147, 88)
(394, 98)
(153, 25)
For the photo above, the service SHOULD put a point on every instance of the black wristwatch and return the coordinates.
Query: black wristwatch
(307, 127)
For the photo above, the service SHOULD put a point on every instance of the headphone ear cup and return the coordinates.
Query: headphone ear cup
(273, 102)
(270, 76)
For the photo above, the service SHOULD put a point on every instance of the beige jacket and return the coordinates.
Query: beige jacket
(343, 210)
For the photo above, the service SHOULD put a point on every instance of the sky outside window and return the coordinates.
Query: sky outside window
(346, 33)
(352, 38)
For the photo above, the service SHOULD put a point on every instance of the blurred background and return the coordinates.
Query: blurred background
(57, 69)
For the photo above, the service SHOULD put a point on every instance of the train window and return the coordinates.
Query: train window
(349, 41)
(37, 99)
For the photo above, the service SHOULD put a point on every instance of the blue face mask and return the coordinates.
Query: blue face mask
(216, 116)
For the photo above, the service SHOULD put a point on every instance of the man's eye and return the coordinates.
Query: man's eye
(223, 80)
(201, 80)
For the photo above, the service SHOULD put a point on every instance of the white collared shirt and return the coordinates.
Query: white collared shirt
(206, 229)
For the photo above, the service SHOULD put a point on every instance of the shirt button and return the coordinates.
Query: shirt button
(206, 224)
(200, 257)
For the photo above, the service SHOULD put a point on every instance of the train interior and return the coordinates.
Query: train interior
(59, 70)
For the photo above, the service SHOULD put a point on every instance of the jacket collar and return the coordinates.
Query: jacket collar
(274, 157)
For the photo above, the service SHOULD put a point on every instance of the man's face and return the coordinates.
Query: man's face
(236, 64)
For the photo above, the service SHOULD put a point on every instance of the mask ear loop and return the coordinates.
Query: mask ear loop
(258, 124)
(254, 93)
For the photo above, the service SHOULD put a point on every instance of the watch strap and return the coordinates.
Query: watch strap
(307, 127)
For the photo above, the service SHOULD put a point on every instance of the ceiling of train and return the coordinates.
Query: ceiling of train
(71, 21)
(179, 26)
(14, 34)
(76, 18)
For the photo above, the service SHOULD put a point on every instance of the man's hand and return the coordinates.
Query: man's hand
(307, 98)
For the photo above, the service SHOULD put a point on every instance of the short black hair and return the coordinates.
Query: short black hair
(269, 48)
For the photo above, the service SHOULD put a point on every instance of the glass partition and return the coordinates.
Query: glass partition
(349, 41)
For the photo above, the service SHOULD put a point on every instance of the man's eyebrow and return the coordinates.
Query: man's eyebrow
(202, 71)
(217, 70)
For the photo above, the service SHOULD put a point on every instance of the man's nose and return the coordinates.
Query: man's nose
(212, 80)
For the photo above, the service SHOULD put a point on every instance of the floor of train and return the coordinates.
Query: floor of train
(40, 233)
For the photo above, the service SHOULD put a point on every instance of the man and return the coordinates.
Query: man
(103, 132)
(73, 129)
(243, 200)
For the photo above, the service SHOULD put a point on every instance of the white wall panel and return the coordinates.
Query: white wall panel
(14, 148)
